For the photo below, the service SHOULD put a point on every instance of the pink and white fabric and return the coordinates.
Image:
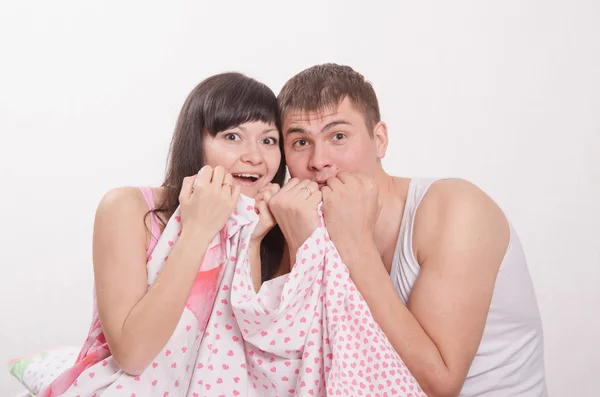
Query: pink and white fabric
(308, 333)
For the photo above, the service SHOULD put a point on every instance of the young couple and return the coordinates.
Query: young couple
(437, 261)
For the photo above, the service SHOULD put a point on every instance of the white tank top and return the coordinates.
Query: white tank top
(510, 360)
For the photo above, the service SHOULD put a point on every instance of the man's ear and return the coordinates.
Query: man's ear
(380, 135)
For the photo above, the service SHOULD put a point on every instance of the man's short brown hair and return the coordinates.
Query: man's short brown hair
(325, 86)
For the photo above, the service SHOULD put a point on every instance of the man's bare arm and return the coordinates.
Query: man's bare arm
(460, 238)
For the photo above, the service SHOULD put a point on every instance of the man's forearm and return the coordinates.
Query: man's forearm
(402, 329)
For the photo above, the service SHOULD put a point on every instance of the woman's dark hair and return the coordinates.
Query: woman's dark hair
(218, 103)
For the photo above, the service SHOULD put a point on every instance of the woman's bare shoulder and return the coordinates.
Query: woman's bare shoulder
(122, 200)
(128, 204)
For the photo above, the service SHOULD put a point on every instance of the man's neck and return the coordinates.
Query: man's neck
(392, 193)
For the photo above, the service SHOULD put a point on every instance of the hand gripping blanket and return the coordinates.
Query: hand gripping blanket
(309, 333)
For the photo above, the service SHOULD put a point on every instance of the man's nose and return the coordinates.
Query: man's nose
(319, 158)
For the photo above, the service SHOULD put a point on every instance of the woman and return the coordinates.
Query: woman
(228, 129)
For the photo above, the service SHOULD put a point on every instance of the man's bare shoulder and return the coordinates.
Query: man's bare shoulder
(457, 211)
(456, 194)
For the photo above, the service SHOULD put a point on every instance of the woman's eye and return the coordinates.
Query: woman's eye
(232, 137)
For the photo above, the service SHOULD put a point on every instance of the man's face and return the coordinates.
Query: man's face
(320, 144)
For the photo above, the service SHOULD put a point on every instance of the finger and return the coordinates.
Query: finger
(269, 186)
(259, 196)
(262, 208)
(261, 193)
(301, 189)
(289, 185)
(274, 188)
(327, 195)
(267, 197)
(235, 194)
(349, 178)
(335, 183)
(344, 176)
(265, 216)
(186, 188)
(258, 207)
(262, 189)
(315, 199)
(285, 189)
(203, 176)
(217, 176)
(313, 186)
(228, 183)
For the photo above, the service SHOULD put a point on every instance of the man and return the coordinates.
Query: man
(437, 262)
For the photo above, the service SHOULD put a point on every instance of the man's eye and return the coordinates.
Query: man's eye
(301, 142)
(339, 136)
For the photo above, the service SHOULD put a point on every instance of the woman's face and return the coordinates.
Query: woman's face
(249, 152)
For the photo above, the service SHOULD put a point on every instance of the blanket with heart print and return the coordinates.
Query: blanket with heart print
(308, 333)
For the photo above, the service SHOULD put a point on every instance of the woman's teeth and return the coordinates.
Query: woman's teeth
(247, 177)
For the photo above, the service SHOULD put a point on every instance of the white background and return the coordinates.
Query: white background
(503, 93)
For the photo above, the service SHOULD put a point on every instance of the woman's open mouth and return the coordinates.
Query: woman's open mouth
(246, 179)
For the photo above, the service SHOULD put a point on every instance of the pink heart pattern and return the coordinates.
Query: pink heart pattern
(308, 333)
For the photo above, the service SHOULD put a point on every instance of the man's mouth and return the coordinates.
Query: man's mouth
(246, 179)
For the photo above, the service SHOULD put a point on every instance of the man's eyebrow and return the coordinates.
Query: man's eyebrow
(300, 130)
(296, 130)
(335, 123)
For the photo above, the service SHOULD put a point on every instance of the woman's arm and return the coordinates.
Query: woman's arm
(138, 321)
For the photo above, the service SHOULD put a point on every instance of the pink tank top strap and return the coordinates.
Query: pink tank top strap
(154, 227)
